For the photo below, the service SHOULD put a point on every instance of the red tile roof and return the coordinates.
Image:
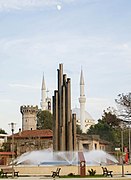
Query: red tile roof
(46, 133)
(6, 153)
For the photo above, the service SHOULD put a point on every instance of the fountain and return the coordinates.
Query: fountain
(48, 157)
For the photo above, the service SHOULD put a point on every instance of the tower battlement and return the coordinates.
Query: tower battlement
(29, 114)
(28, 109)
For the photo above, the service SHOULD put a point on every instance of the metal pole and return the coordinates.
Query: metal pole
(12, 130)
(129, 145)
(122, 153)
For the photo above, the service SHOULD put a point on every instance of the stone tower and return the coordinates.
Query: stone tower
(82, 101)
(64, 122)
(45, 100)
(29, 114)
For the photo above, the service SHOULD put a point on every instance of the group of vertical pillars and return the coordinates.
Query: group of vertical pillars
(64, 122)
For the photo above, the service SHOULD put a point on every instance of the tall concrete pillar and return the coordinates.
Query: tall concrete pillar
(55, 123)
(64, 125)
(74, 131)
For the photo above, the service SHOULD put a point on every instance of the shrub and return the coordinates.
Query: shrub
(91, 172)
(71, 174)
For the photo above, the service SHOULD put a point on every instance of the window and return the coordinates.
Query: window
(95, 146)
(86, 146)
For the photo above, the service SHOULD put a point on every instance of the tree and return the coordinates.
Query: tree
(2, 131)
(103, 130)
(107, 128)
(44, 120)
(111, 118)
(124, 106)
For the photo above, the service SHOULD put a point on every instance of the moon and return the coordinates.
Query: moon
(58, 6)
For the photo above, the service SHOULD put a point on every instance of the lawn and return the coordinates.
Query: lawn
(78, 176)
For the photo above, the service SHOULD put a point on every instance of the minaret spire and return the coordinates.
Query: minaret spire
(43, 94)
(82, 101)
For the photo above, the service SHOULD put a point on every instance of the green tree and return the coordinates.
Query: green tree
(108, 128)
(110, 118)
(104, 130)
(2, 131)
(44, 120)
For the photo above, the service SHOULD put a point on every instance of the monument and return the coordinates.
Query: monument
(64, 122)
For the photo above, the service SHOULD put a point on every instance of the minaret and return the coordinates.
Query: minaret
(82, 101)
(43, 95)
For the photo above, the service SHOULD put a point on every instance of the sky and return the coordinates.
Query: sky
(37, 35)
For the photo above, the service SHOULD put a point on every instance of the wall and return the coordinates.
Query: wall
(65, 170)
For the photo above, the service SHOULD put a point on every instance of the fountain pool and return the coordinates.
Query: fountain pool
(48, 157)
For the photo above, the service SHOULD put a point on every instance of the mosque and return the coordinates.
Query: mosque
(83, 118)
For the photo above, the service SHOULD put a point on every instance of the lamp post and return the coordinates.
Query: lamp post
(122, 152)
(129, 145)
(12, 149)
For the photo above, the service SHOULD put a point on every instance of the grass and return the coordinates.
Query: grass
(78, 176)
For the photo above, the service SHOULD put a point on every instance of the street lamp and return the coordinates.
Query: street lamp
(122, 152)
(129, 144)
(12, 149)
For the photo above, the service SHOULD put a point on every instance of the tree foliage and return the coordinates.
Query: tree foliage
(2, 131)
(104, 130)
(124, 106)
(44, 120)
(110, 118)
(107, 128)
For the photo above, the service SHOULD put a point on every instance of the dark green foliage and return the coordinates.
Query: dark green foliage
(2, 131)
(111, 119)
(99, 176)
(91, 172)
(108, 128)
(44, 120)
(103, 130)
(71, 174)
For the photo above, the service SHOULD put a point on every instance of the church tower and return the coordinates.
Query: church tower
(45, 101)
(82, 101)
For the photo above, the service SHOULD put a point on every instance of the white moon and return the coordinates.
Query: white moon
(58, 7)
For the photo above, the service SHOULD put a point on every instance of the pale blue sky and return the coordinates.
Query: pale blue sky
(35, 37)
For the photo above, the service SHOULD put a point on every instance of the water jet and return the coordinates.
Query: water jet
(48, 157)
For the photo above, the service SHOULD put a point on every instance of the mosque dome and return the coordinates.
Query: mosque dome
(88, 119)
(77, 112)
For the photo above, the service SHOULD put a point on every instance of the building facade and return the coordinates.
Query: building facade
(31, 140)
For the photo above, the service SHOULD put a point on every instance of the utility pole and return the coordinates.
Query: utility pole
(12, 149)
(129, 145)
(122, 152)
